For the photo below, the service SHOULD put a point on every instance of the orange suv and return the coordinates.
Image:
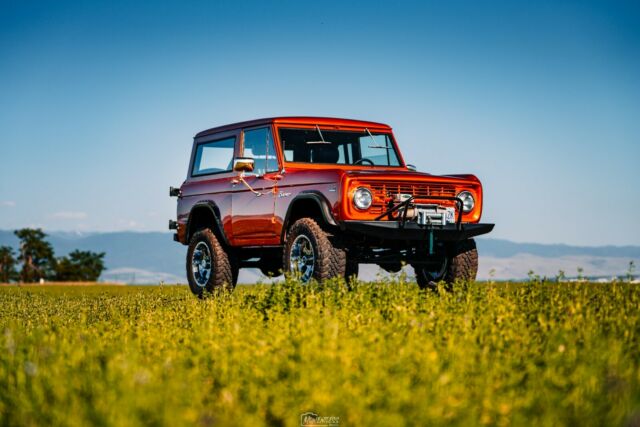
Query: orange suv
(319, 196)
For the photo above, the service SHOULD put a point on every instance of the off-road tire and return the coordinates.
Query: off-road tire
(271, 265)
(330, 258)
(223, 275)
(461, 264)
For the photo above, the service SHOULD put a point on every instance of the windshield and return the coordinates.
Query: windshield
(338, 147)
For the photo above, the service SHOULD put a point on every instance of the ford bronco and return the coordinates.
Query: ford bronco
(317, 197)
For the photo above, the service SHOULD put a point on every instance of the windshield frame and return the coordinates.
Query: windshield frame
(330, 128)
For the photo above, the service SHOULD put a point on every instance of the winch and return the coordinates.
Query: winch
(425, 214)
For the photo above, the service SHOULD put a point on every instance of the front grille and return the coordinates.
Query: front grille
(382, 191)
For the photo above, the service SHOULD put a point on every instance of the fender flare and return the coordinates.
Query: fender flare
(218, 230)
(319, 199)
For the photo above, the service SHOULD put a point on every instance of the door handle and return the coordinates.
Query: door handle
(240, 179)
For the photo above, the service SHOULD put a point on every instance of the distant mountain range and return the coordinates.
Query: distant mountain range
(152, 257)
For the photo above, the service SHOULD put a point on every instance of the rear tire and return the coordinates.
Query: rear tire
(462, 264)
(208, 265)
(313, 253)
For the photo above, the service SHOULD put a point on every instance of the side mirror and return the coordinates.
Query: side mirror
(412, 168)
(243, 164)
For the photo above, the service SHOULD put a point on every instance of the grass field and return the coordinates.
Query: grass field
(383, 354)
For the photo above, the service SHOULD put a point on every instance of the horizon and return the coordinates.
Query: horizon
(540, 101)
(499, 259)
(169, 233)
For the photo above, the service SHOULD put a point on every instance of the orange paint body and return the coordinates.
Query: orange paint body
(250, 220)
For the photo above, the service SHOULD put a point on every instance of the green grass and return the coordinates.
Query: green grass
(384, 354)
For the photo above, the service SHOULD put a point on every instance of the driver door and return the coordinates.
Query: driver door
(253, 208)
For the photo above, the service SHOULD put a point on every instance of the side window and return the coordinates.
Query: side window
(344, 154)
(341, 159)
(213, 157)
(258, 144)
(288, 155)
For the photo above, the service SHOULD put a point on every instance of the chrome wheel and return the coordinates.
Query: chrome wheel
(302, 257)
(201, 264)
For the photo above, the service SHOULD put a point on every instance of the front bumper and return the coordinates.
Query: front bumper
(395, 230)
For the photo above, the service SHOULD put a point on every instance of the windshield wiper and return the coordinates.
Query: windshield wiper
(322, 141)
(375, 144)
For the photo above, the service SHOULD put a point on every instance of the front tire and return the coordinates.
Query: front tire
(208, 265)
(310, 251)
(461, 264)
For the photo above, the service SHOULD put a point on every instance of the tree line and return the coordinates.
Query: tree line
(36, 261)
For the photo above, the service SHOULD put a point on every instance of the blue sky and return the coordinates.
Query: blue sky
(541, 100)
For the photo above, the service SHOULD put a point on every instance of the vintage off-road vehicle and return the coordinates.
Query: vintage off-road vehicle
(319, 196)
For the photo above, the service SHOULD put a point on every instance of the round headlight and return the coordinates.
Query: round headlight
(362, 198)
(468, 202)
